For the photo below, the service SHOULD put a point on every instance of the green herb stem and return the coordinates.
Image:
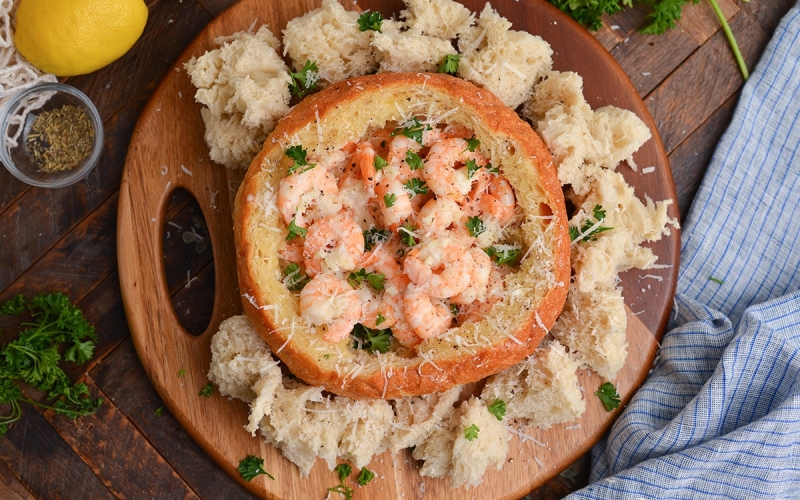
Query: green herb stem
(731, 39)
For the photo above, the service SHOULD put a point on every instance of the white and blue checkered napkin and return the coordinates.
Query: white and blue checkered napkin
(719, 417)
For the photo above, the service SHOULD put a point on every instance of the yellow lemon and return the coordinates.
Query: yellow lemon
(75, 37)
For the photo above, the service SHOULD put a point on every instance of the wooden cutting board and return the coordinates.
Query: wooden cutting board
(167, 152)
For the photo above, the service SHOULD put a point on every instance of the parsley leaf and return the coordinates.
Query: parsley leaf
(389, 199)
(379, 163)
(343, 470)
(585, 232)
(33, 357)
(472, 167)
(252, 466)
(375, 280)
(665, 14)
(502, 256)
(375, 236)
(449, 64)
(413, 160)
(295, 230)
(295, 279)
(475, 226)
(298, 154)
(498, 408)
(590, 12)
(472, 144)
(379, 319)
(608, 395)
(365, 476)
(370, 21)
(304, 81)
(406, 234)
(415, 185)
(371, 340)
(207, 391)
(471, 432)
(412, 131)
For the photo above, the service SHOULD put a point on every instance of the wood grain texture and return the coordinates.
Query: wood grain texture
(165, 348)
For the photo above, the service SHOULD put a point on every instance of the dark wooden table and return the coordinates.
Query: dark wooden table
(65, 240)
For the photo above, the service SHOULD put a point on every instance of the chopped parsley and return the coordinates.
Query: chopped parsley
(159, 411)
(365, 476)
(181, 372)
(379, 163)
(207, 391)
(295, 279)
(389, 199)
(608, 395)
(415, 185)
(454, 309)
(586, 232)
(413, 160)
(375, 280)
(370, 21)
(380, 319)
(371, 340)
(502, 256)
(375, 236)
(492, 169)
(449, 64)
(295, 231)
(716, 280)
(471, 432)
(304, 81)
(497, 408)
(406, 234)
(413, 131)
(472, 167)
(472, 144)
(252, 466)
(475, 226)
(298, 154)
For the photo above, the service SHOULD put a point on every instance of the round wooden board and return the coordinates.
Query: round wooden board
(167, 152)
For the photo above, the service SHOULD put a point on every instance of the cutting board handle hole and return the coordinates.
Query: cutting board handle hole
(188, 261)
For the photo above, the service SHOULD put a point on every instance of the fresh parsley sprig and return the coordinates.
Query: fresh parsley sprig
(295, 231)
(252, 466)
(449, 64)
(413, 131)
(415, 185)
(475, 226)
(371, 340)
(497, 408)
(608, 395)
(591, 226)
(56, 327)
(343, 470)
(298, 154)
(295, 278)
(370, 21)
(304, 82)
(375, 236)
(471, 432)
(375, 280)
(503, 255)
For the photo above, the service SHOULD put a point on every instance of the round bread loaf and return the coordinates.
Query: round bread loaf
(535, 288)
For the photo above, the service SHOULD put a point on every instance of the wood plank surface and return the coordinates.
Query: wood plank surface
(42, 232)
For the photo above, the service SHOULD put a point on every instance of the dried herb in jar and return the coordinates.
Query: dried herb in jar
(60, 139)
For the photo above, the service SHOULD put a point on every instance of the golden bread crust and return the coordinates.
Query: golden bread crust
(347, 111)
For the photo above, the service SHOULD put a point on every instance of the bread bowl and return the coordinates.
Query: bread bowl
(534, 290)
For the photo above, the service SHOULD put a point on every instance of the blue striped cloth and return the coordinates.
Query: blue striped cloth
(719, 417)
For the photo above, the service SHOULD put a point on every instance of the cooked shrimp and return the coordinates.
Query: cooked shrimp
(428, 317)
(380, 260)
(479, 280)
(328, 300)
(334, 243)
(378, 310)
(334, 161)
(480, 309)
(440, 170)
(493, 195)
(394, 202)
(306, 195)
(399, 146)
(365, 160)
(356, 201)
(440, 267)
(439, 215)
(292, 251)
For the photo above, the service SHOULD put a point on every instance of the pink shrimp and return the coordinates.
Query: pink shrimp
(441, 170)
(334, 243)
(479, 280)
(365, 160)
(357, 201)
(492, 195)
(292, 251)
(308, 194)
(328, 300)
(440, 215)
(480, 309)
(428, 317)
(440, 267)
(394, 202)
